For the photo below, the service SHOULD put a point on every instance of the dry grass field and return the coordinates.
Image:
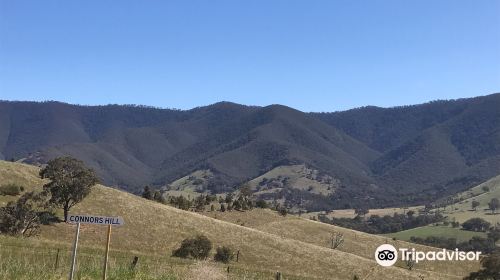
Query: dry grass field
(296, 246)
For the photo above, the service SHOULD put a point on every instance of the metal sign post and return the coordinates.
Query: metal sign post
(75, 246)
(93, 220)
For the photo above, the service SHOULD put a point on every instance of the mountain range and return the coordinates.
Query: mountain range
(376, 156)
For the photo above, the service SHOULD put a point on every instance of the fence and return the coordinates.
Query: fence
(19, 261)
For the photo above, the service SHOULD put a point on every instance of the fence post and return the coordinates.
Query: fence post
(56, 265)
(134, 263)
(238, 256)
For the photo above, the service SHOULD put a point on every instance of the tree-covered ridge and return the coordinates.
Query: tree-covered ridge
(378, 157)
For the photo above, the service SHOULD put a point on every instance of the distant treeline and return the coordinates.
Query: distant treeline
(386, 224)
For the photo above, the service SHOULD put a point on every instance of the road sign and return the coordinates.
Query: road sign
(95, 220)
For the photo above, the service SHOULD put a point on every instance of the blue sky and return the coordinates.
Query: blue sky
(310, 55)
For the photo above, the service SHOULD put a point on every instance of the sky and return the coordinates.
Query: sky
(310, 55)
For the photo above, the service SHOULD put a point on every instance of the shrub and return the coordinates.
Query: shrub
(261, 204)
(196, 248)
(494, 234)
(48, 217)
(22, 217)
(283, 212)
(224, 254)
(476, 224)
(11, 189)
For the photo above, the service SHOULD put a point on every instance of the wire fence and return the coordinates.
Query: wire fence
(58, 258)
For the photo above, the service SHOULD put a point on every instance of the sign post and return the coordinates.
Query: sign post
(93, 220)
(107, 253)
(75, 246)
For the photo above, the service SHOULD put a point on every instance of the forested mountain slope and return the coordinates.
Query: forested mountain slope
(376, 156)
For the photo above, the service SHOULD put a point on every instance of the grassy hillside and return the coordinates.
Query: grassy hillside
(437, 231)
(19, 174)
(459, 211)
(194, 182)
(462, 211)
(297, 177)
(267, 242)
(349, 213)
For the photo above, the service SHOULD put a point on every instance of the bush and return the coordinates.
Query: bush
(476, 224)
(11, 189)
(283, 212)
(22, 217)
(261, 204)
(196, 248)
(224, 254)
(48, 217)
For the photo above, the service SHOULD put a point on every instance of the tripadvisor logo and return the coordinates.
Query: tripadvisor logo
(387, 255)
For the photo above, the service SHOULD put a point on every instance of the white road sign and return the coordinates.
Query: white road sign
(95, 220)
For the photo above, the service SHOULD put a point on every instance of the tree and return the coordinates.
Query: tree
(336, 240)
(229, 198)
(476, 224)
(223, 254)
(246, 191)
(23, 217)
(222, 208)
(237, 205)
(475, 204)
(494, 205)
(158, 197)
(147, 193)
(490, 268)
(261, 204)
(197, 248)
(180, 202)
(199, 203)
(486, 188)
(70, 182)
(494, 234)
(283, 212)
(410, 214)
(361, 211)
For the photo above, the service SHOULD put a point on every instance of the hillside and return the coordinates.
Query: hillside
(133, 146)
(267, 242)
(296, 185)
(430, 150)
(377, 157)
(462, 209)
